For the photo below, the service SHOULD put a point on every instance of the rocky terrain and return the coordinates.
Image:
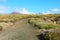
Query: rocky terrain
(31, 27)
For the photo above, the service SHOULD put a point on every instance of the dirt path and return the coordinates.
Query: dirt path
(20, 31)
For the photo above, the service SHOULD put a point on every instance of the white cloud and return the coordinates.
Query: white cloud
(55, 10)
(3, 8)
(48, 12)
(23, 11)
(52, 11)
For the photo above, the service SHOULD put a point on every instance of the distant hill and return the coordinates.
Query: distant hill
(15, 13)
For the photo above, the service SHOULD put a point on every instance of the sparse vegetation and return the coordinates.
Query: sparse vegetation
(1, 28)
(46, 22)
(50, 35)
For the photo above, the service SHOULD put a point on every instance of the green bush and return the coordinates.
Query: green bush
(46, 26)
(0, 28)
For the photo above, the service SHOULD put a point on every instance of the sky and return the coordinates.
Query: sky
(30, 6)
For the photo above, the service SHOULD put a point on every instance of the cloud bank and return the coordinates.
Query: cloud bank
(3, 8)
(52, 11)
(8, 9)
(55, 10)
(24, 11)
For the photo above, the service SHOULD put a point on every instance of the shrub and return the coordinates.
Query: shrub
(0, 28)
(47, 26)
(50, 35)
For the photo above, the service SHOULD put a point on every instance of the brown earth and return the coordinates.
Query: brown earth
(21, 30)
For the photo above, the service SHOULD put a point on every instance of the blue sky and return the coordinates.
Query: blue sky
(30, 6)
